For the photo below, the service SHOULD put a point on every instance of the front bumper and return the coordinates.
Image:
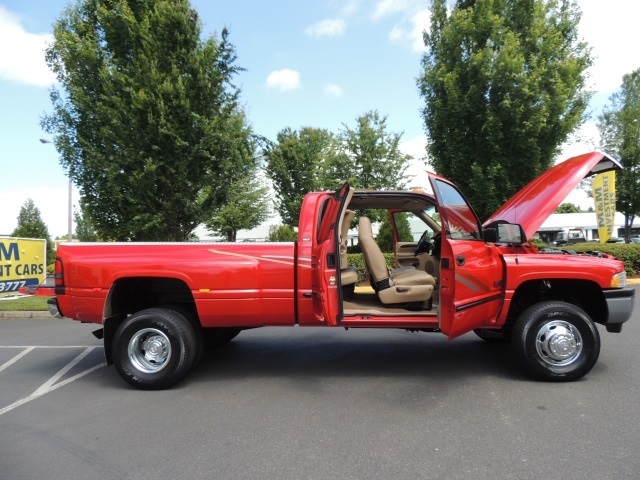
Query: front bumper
(620, 307)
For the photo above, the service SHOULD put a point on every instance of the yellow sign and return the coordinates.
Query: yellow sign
(604, 197)
(22, 263)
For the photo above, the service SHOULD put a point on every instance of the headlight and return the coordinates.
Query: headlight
(619, 280)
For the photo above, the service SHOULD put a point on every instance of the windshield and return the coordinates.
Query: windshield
(419, 222)
(461, 222)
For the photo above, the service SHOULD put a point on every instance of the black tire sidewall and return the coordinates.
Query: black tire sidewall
(183, 348)
(529, 324)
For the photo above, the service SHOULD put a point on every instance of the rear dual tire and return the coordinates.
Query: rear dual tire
(155, 348)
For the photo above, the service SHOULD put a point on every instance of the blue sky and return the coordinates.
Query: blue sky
(317, 63)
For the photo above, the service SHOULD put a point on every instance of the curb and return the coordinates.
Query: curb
(13, 315)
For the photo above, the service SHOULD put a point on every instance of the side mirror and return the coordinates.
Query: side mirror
(503, 232)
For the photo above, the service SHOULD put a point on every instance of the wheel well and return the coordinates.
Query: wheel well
(583, 293)
(130, 295)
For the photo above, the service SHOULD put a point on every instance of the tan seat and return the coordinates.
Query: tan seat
(405, 285)
(348, 275)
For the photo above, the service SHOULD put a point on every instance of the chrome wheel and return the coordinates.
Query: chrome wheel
(558, 343)
(149, 350)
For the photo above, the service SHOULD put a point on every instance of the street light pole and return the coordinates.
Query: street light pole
(70, 213)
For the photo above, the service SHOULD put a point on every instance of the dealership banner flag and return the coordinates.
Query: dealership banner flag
(604, 197)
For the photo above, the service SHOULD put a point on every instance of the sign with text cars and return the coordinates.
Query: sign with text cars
(22, 263)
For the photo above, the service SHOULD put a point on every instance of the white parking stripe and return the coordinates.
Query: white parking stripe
(16, 358)
(76, 377)
(46, 386)
(50, 385)
(51, 346)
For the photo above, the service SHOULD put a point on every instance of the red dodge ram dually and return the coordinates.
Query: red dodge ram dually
(159, 304)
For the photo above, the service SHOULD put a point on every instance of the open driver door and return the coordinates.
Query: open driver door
(472, 274)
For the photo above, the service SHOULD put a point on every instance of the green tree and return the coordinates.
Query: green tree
(31, 225)
(368, 156)
(146, 118)
(503, 84)
(567, 208)
(85, 231)
(385, 238)
(247, 207)
(294, 164)
(619, 127)
(282, 233)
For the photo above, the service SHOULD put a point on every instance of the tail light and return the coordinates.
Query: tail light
(58, 276)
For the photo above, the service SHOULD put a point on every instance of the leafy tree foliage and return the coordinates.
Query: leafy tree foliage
(385, 238)
(294, 164)
(503, 85)
(367, 155)
(31, 225)
(282, 233)
(619, 127)
(567, 208)
(85, 231)
(146, 121)
(315, 159)
(247, 207)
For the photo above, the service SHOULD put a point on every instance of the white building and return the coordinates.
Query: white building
(586, 222)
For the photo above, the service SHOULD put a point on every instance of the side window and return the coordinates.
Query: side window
(323, 210)
(404, 227)
(461, 222)
(415, 226)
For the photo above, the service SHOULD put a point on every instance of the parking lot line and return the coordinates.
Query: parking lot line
(16, 358)
(51, 346)
(46, 386)
(50, 385)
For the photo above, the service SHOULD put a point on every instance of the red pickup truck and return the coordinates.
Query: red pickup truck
(159, 304)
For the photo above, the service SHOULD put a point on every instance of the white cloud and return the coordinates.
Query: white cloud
(350, 8)
(409, 31)
(417, 171)
(284, 80)
(22, 53)
(333, 90)
(611, 29)
(385, 8)
(585, 139)
(52, 203)
(327, 28)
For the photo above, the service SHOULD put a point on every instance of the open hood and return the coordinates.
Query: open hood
(533, 204)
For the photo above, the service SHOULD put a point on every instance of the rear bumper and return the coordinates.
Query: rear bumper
(620, 307)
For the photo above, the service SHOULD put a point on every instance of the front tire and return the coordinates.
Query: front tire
(556, 341)
(155, 348)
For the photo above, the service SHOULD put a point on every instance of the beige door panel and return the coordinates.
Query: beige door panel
(405, 256)
(424, 261)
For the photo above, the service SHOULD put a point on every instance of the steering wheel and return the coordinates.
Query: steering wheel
(431, 246)
(424, 244)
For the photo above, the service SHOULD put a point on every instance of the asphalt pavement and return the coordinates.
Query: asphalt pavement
(296, 403)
